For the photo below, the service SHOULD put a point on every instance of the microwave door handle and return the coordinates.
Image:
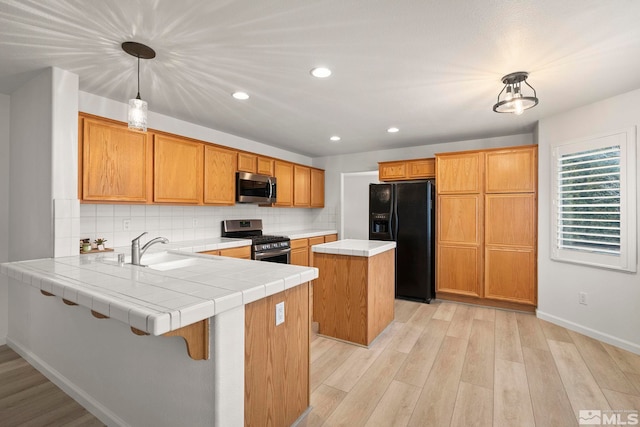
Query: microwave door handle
(270, 187)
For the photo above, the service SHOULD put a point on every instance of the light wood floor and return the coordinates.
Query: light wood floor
(442, 364)
(448, 364)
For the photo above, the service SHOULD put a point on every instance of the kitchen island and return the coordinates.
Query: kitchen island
(353, 298)
(73, 318)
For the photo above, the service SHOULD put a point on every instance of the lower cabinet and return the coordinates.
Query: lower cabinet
(276, 361)
(300, 252)
(243, 252)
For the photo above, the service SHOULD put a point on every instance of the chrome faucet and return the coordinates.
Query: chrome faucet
(136, 252)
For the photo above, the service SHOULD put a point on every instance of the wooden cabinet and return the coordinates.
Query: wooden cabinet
(459, 173)
(284, 183)
(115, 163)
(265, 166)
(406, 170)
(247, 162)
(300, 252)
(219, 176)
(317, 188)
(301, 186)
(486, 226)
(177, 170)
(276, 362)
(511, 170)
(243, 252)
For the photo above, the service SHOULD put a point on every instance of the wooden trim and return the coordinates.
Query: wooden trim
(138, 331)
(98, 315)
(196, 336)
(485, 150)
(485, 301)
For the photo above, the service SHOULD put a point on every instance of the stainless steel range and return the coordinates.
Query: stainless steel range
(263, 247)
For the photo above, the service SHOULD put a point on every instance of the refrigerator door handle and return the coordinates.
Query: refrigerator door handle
(394, 224)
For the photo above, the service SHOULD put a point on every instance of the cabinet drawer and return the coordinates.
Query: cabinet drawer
(299, 243)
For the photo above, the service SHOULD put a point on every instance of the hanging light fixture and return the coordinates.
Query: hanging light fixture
(138, 107)
(514, 100)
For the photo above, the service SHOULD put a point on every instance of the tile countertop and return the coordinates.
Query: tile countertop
(155, 301)
(303, 234)
(353, 247)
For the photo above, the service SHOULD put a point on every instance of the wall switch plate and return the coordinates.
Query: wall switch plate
(279, 313)
(582, 298)
(126, 225)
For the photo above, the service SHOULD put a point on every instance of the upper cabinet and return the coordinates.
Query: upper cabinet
(115, 163)
(459, 173)
(219, 176)
(118, 165)
(284, 183)
(317, 188)
(247, 162)
(511, 170)
(301, 186)
(265, 166)
(177, 170)
(406, 170)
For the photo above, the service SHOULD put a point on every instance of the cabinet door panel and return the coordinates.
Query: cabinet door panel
(116, 163)
(178, 166)
(243, 252)
(459, 173)
(510, 219)
(458, 270)
(512, 171)
(301, 186)
(265, 166)
(317, 188)
(219, 176)
(422, 168)
(247, 162)
(284, 184)
(391, 171)
(459, 219)
(511, 275)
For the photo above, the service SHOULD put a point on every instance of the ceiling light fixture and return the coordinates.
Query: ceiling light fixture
(321, 72)
(138, 107)
(335, 138)
(240, 95)
(393, 130)
(514, 101)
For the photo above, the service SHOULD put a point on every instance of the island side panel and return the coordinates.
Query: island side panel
(340, 297)
(381, 294)
(277, 359)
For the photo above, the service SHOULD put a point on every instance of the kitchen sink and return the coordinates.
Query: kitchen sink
(173, 265)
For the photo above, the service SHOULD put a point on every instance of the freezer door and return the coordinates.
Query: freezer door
(380, 211)
(414, 265)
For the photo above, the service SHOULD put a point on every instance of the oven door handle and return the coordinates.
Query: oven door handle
(262, 255)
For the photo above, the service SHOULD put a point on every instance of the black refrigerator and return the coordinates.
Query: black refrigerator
(405, 213)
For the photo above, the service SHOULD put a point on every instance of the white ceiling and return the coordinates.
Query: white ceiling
(430, 67)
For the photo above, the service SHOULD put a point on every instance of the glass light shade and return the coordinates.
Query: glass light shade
(138, 114)
(511, 98)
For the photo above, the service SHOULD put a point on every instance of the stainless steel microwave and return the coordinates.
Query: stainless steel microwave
(254, 188)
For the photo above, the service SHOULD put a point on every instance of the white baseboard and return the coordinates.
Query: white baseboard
(3, 340)
(89, 403)
(609, 339)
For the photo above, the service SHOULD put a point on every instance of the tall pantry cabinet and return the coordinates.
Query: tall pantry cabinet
(486, 226)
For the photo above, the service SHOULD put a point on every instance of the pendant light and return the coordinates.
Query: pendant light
(514, 101)
(138, 107)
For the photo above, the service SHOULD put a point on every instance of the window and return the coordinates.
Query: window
(594, 201)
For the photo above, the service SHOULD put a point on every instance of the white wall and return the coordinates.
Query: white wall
(364, 162)
(613, 311)
(4, 211)
(355, 204)
(177, 222)
(30, 199)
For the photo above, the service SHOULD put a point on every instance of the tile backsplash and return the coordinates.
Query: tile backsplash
(178, 223)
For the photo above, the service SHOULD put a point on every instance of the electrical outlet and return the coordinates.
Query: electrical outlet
(279, 313)
(126, 224)
(582, 298)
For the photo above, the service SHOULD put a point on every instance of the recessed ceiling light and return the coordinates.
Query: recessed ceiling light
(335, 138)
(240, 95)
(393, 130)
(321, 72)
